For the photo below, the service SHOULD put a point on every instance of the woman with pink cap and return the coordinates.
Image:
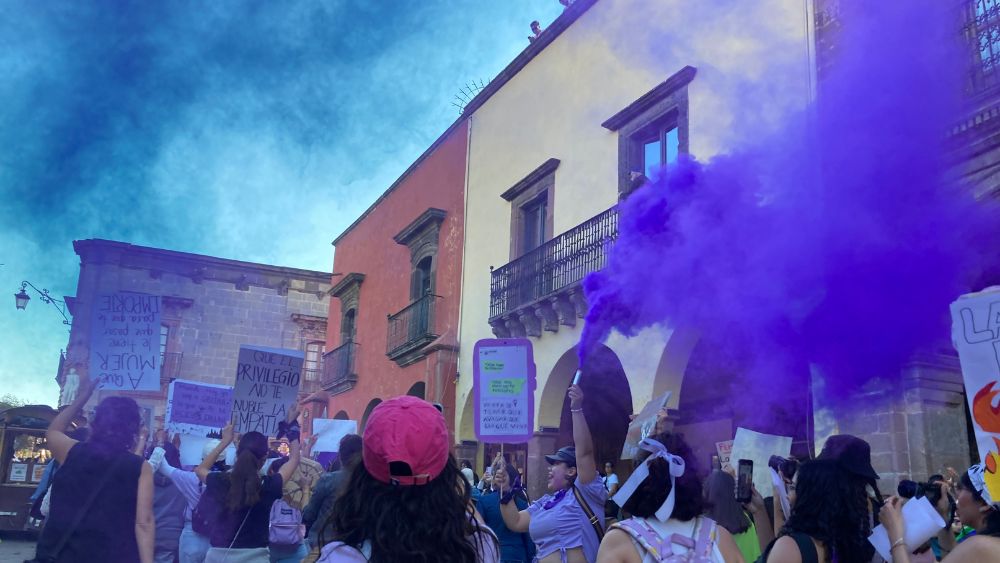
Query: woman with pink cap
(567, 525)
(407, 500)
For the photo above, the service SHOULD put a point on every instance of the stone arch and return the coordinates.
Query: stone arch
(466, 427)
(368, 411)
(418, 389)
(607, 403)
(342, 415)
(673, 364)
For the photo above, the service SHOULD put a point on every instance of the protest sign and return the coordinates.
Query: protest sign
(725, 450)
(37, 471)
(975, 332)
(643, 425)
(329, 431)
(125, 341)
(267, 384)
(197, 408)
(759, 448)
(503, 390)
(193, 447)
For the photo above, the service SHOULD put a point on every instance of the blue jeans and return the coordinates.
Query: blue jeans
(193, 546)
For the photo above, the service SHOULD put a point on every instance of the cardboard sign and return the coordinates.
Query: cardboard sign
(267, 384)
(643, 425)
(759, 448)
(503, 390)
(18, 472)
(725, 451)
(197, 408)
(125, 341)
(329, 431)
(193, 447)
(975, 332)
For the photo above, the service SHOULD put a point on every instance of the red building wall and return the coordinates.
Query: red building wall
(368, 248)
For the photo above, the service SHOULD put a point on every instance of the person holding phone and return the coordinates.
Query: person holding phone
(829, 519)
(664, 497)
(567, 524)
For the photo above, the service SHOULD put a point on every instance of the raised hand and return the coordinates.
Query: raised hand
(227, 433)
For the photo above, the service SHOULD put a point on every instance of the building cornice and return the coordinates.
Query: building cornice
(350, 281)
(433, 217)
(678, 80)
(546, 168)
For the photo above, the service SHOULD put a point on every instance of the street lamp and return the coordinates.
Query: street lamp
(21, 299)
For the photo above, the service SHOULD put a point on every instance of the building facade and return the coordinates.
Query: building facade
(609, 93)
(209, 307)
(397, 281)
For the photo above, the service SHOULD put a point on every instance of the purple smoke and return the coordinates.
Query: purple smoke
(839, 241)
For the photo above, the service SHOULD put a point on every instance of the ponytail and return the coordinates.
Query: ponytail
(244, 483)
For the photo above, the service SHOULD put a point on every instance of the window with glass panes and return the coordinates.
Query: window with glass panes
(314, 360)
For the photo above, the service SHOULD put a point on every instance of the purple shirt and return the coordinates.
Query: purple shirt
(565, 525)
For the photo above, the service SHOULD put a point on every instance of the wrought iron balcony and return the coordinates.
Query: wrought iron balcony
(339, 374)
(411, 329)
(541, 290)
(311, 381)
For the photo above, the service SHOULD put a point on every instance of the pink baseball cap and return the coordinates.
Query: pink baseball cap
(405, 430)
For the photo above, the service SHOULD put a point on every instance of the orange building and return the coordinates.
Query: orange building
(397, 271)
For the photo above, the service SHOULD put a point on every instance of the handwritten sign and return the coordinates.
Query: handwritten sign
(125, 341)
(725, 451)
(197, 408)
(329, 431)
(503, 390)
(975, 332)
(267, 384)
(759, 448)
(643, 425)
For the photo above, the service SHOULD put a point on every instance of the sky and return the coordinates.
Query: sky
(244, 130)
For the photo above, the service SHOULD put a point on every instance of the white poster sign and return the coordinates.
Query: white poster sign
(329, 431)
(759, 448)
(125, 341)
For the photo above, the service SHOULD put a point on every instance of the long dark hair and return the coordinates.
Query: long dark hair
(244, 482)
(831, 508)
(653, 491)
(420, 523)
(720, 489)
(116, 424)
(992, 519)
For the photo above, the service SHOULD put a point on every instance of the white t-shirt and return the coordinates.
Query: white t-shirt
(609, 480)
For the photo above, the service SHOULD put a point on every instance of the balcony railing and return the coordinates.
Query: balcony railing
(339, 374)
(554, 266)
(412, 328)
(311, 381)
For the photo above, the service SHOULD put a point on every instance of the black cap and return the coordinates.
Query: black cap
(565, 455)
(851, 453)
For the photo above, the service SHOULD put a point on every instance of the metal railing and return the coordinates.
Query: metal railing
(412, 326)
(555, 265)
(338, 364)
(310, 381)
(981, 30)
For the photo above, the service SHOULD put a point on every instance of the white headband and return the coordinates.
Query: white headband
(979, 482)
(659, 451)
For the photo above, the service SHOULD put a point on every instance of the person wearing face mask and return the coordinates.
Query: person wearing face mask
(567, 524)
(975, 508)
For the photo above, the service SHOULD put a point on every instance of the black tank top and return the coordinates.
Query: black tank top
(106, 532)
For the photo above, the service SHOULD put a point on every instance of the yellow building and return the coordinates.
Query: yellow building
(610, 90)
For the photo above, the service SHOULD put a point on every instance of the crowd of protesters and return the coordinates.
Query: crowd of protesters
(398, 493)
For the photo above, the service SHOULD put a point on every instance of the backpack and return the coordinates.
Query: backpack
(286, 526)
(699, 550)
(205, 514)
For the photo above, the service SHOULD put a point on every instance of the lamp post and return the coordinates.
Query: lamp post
(21, 299)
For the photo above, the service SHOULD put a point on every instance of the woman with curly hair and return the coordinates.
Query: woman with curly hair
(976, 509)
(102, 495)
(664, 497)
(829, 519)
(407, 500)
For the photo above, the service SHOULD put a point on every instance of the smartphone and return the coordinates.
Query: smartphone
(576, 377)
(744, 481)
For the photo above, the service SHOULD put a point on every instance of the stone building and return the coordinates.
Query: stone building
(209, 307)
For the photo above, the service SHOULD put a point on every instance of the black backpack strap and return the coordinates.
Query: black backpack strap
(598, 529)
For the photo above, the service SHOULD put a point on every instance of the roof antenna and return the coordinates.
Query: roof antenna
(467, 93)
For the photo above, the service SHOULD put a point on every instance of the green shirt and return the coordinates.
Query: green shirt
(747, 542)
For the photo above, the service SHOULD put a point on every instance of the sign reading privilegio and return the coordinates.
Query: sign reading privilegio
(267, 384)
(125, 341)
(504, 390)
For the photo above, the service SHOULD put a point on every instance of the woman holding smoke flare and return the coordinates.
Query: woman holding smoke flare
(239, 499)
(567, 525)
(976, 508)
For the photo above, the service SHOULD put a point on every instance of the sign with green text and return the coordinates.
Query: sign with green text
(504, 390)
